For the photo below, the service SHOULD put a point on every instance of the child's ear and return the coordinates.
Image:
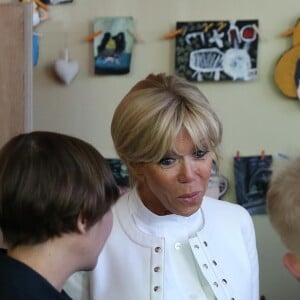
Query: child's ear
(81, 224)
(292, 262)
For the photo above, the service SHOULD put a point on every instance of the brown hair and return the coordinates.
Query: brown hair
(46, 181)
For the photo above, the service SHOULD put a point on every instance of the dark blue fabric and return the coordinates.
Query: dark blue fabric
(20, 282)
(252, 175)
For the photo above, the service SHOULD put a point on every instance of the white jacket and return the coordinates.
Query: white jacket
(132, 263)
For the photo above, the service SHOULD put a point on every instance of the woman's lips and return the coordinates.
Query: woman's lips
(190, 198)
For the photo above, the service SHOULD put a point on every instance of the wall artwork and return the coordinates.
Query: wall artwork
(54, 2)
(217, 50)
(252, 176)
(287, 68)
(120, 173)
(113, 45)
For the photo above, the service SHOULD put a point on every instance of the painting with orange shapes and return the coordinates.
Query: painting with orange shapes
(287, 68)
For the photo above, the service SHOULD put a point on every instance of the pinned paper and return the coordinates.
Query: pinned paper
(113, 44)
(217, 50)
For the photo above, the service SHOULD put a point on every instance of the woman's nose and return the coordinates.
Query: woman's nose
(186, 171)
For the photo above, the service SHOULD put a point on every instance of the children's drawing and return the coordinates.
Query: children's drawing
(217, 50)
(113, 45)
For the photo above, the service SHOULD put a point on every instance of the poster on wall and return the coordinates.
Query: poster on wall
(113, 45)
(252, 176)
(54, 2)
(217, 50)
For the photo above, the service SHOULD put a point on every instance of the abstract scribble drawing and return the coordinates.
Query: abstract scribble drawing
(217, 50)
(206, 61)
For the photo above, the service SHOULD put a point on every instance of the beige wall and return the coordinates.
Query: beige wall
(255, 115)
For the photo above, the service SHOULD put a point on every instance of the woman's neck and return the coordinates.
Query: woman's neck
(147, 198)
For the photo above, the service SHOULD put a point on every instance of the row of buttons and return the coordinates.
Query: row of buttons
(178, 247)
(157, 269)
(205, 266)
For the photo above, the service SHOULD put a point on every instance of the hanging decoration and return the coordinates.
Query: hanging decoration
(113, 43)
(216, 50)
(40, 14)
(35, 47)
(252, 176)
(287, 69)
(66, 69)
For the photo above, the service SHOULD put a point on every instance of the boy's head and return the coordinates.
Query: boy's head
(283, 201)
(48, 181)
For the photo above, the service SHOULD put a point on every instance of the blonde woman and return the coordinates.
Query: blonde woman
(169, 241)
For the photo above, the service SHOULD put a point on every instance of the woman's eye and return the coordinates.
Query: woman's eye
(199, 153)
(166, 161)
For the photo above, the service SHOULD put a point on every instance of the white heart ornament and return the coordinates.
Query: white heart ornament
(66, 70)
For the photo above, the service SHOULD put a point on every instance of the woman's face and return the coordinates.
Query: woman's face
(178, 182)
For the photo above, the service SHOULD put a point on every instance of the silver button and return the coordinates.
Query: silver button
(215, 284)
(157, 249)
(156, 269)
(224, 281)
(156, 288)
(205, 266)
(214, 262)
(177, 246)
(196, 246)
(205, 243)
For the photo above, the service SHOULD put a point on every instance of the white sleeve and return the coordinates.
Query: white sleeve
(77, 286)
(250, 240)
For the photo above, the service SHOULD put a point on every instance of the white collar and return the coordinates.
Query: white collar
(154, 224)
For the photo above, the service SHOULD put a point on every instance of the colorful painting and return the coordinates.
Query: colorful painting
(120, 173)
(217, 50)
(114, 44)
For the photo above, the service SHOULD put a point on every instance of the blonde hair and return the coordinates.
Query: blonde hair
(283, 203)
(149, 118)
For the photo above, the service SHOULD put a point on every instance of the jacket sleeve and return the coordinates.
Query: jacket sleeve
(250, 241)
(77, 286)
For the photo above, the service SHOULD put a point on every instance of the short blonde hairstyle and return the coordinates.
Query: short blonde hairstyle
(283, 203)
(149, 118)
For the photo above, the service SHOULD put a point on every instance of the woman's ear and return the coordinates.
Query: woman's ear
(292, 262)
